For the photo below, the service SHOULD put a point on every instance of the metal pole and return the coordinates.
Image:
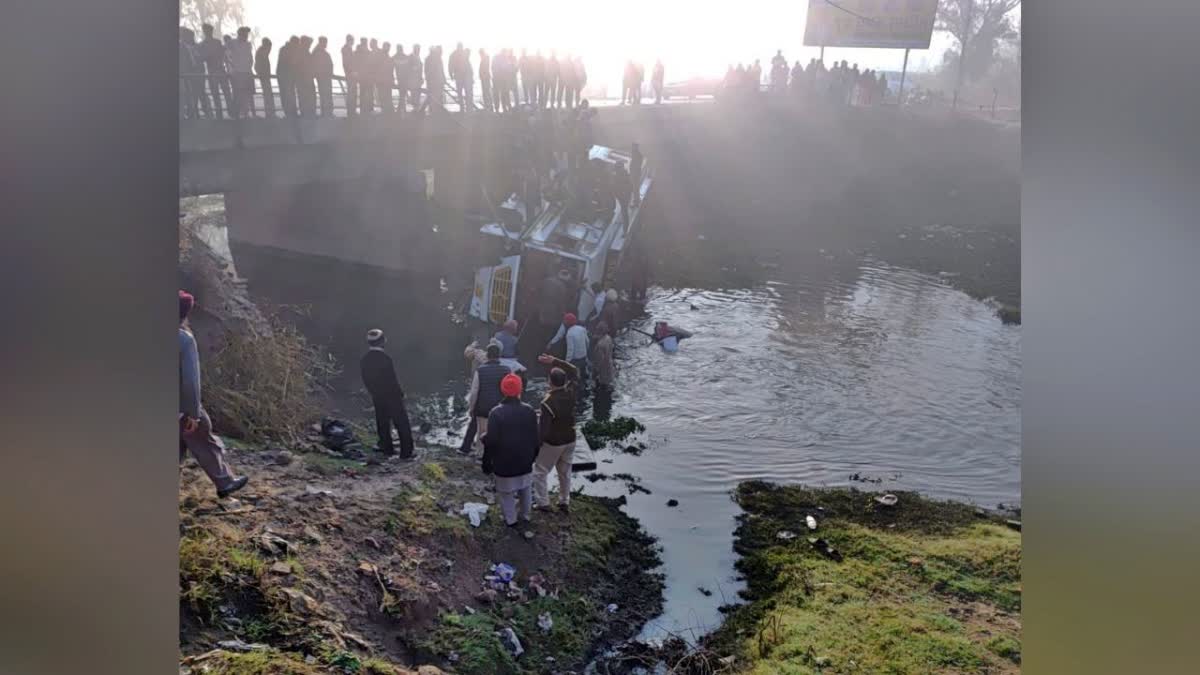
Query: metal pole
(903, 73)
(822, 54)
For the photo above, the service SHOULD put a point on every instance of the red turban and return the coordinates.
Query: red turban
(511, 386)
(569, 319)
(185, 304)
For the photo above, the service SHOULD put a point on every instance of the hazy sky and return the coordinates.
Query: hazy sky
(691, 40)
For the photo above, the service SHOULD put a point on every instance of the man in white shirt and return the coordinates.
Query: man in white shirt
(577, 344)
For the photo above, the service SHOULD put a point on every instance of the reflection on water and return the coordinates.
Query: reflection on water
(891, 376)
(810, 378)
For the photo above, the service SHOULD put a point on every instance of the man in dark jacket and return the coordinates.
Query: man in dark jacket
(305, 73)
(379, 377)
(322, 64)
(262, 68)
(366, 87)
(556, 427)
(509, 448)
(485, 389)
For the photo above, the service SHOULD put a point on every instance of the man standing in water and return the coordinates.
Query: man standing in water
(556, 421)
(509, 448)
(605, 371)
(195, 427)
(577, 344)
(485, 391)
(379, 378)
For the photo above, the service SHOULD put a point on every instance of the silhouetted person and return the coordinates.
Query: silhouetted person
(191, 71)
(306, 88)
(288, 76)
(350, 71)
(435, 79)
(240, 56)
(626, 82)
(401, 69)
(485, 80)
(524, 66)
(656, 81)
(366, 87)
(212, 52)
(262, 69)
(417, 75)
(460, 72)
(383, 77)
(322, 64)
(379, 379)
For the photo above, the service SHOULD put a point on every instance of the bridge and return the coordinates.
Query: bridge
(353, 188)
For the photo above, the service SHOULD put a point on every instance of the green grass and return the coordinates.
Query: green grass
(898, 603)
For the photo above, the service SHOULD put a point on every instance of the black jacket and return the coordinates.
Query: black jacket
(379, 375)
(556, 416)
(511, 442)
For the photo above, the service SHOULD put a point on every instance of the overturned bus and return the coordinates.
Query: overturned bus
(519, 252)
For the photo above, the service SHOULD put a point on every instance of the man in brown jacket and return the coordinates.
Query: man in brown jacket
(556, 423)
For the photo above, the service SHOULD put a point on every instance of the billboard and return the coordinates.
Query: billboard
(891, 24)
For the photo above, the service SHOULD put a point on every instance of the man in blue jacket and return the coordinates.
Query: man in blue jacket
(509, 448)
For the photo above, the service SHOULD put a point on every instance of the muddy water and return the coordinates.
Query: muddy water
(885, 373)
(823, 370)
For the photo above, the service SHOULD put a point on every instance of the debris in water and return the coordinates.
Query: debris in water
(598, 433)
(611, 609)
(672, 502)
(545, 622)
(707, 593)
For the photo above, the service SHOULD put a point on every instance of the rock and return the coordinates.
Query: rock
(430, 670)
(300, 602)
(487, 597)
(310, 659)
(284, 458)
(275, 544)
(281, 568)
(509, 638)
(672, 502)
(311, 534)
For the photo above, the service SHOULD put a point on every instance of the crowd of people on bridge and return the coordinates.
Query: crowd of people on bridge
(842, 84)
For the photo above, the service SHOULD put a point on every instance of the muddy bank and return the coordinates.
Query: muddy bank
(327, 564)
(921, 586)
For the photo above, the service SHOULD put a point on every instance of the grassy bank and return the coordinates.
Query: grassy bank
(922, 586)
(367, 567)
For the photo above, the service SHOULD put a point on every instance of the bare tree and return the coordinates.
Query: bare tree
(224, 15)
(979, 27)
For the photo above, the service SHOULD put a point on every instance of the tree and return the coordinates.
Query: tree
(979, 27)
(224, 15)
